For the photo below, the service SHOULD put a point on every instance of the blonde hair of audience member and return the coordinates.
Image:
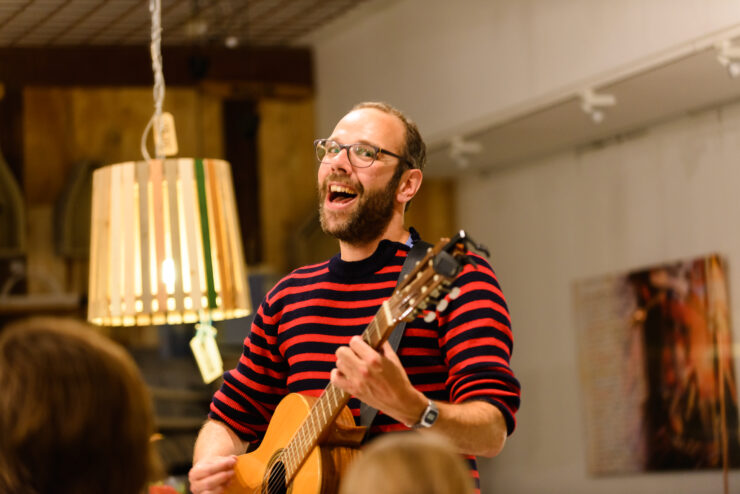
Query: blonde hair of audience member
(75, 414)
(408, 463)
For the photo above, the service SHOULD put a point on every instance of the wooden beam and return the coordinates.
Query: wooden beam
(11, 129)
(132, 66)
(241, 122)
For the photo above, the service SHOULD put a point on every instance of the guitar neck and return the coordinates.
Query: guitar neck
(330, 403)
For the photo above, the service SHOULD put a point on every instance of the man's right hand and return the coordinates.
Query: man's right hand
(211, 475)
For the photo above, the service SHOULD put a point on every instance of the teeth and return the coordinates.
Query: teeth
(343, 190)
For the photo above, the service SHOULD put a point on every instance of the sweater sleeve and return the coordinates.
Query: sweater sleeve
(251, 391)
(477, 341)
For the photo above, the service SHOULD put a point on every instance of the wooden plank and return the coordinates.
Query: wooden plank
(142, 179)
(239, 271)
(219, 241)
(132, 66)
(192, 231)
(170, 170)
(98, 226)
(205, 231)
(155, 177)
(116, 259)
(241, 121)
(127, 243)
(11, 131)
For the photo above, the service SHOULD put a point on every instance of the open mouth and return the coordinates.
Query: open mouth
(339, 194)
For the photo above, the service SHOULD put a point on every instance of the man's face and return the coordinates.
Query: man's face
(356, 204)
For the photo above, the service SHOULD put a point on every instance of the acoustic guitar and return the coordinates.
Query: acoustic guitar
(310, 441)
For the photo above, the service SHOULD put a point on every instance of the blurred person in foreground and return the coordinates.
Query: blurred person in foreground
(408, 463)
(75, 414)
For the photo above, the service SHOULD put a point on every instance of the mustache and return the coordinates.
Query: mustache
(342, 180)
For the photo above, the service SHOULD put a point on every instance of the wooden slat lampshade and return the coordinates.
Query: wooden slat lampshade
(165, 244)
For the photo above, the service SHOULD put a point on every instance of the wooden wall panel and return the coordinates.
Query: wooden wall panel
(432, 211)
(64, 126)
(287, 170)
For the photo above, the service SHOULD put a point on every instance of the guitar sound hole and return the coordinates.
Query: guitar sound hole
(276, 480)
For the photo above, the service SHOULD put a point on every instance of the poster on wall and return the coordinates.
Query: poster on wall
(658, 380)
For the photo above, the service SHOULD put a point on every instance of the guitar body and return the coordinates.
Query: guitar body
(258, 472)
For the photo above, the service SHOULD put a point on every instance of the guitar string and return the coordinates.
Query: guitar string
(300, 441)
(284, 462)
(288, 454)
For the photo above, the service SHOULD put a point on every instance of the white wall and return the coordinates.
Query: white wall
(449, 63)
(669, 193)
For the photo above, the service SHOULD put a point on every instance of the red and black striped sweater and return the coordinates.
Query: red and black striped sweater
(462, 355)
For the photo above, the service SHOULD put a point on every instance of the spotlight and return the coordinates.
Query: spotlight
(592, 104)
(460, 149)
(728, 55)
(733, 68)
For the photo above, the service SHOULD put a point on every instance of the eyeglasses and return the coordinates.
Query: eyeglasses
(360, 155)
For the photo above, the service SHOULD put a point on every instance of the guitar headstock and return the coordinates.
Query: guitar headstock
(429, 282)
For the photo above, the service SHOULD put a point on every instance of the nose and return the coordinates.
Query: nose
(340, 161)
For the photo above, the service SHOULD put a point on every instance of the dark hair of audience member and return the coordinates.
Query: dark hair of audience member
(75, 414)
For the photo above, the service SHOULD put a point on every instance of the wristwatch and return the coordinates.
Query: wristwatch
(428, 417)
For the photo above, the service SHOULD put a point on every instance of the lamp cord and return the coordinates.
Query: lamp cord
(155, 9)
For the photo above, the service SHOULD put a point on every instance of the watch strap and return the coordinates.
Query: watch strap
(428, 416)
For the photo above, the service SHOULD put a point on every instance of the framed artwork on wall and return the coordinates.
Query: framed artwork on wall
(656, 368)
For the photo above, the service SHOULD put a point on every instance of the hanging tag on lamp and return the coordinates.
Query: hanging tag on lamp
(206, 353)
(167, 141)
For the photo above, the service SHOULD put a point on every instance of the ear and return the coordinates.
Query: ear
(409, 185)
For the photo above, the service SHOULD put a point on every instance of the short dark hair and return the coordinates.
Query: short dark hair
(75, 414)
(415, 151)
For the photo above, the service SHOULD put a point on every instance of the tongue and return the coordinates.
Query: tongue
(341, 197)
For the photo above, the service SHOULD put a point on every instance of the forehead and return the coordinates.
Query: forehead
(372, 126)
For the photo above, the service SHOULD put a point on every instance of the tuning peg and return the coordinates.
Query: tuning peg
(462, 236)
(430, 316)
(442, 305)
(454, 293)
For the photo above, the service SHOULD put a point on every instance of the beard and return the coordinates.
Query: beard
(370, 217)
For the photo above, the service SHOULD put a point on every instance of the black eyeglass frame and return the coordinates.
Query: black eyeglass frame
(342, 147)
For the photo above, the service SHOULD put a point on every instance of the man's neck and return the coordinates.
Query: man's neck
(358, 252)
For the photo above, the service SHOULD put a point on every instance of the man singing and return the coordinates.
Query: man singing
(450, 375)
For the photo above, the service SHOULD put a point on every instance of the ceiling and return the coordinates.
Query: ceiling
(686, 80)
(683, 81)
(128, 22)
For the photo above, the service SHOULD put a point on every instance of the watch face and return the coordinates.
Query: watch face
(430, 416)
